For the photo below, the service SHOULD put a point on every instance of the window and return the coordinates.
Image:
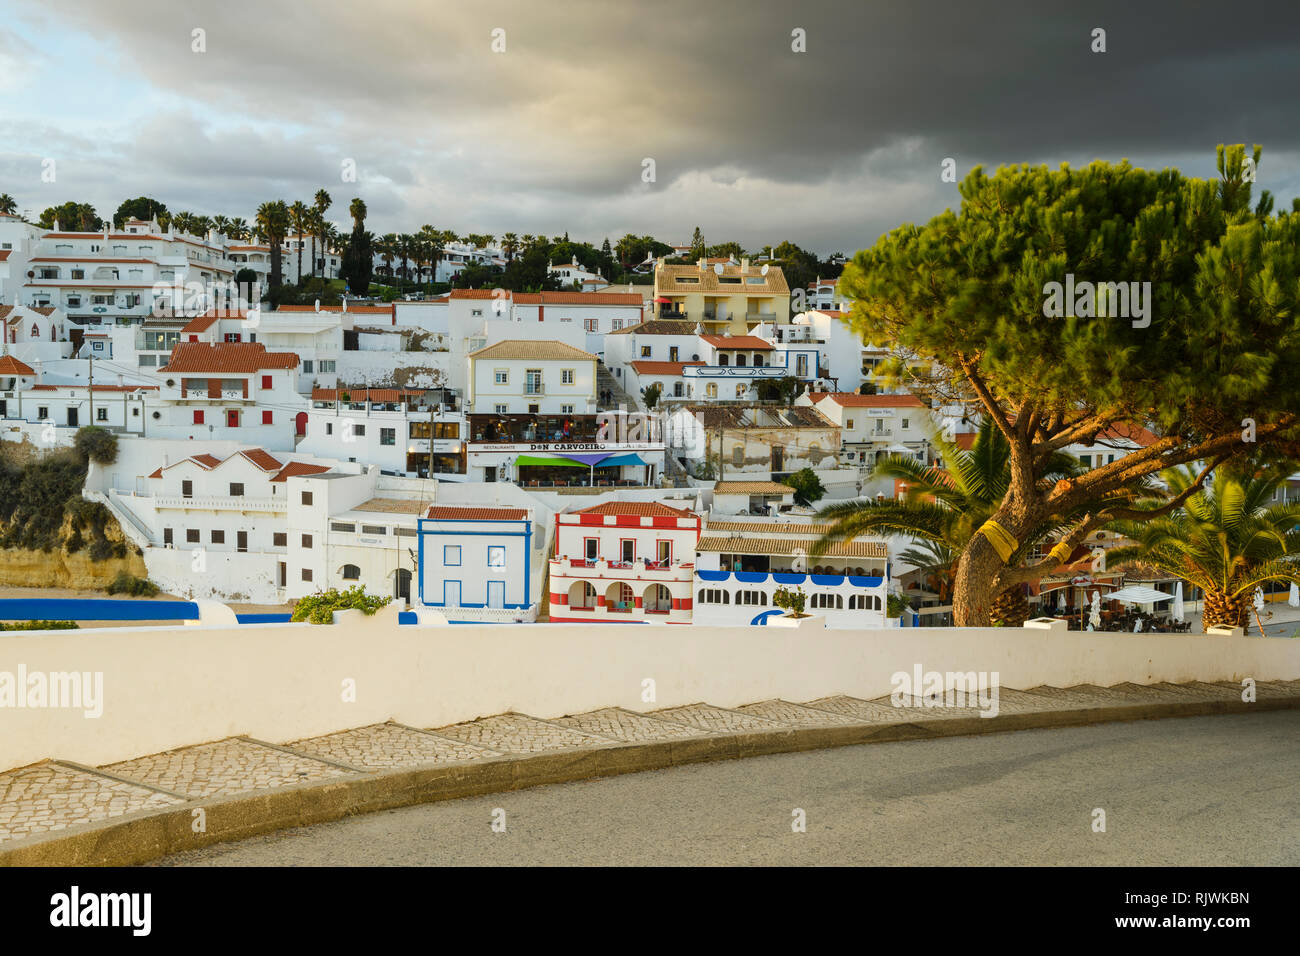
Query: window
(906, 424)
(74, 301)
(738, 455)
(1085, 460)
(187, 489)
(218, 537)
(566, 376)
(191, 535)
(266, 381)
(849, 423)
(451, 555)
(325, 366)
(388, 436)
(306, 497)
(566, 409)
(329, 428)
(714, 596)
(231, 337)
(502, 409)
(589, 325)
(711, 390)
(673, 353)
(617, 324)
(101, 414)
(501, 377)
(306, 541)
(307, 366)
(343, 526)
(306, 574)
(198, 416)
(533, 381)
(232, 418)
(146, 360)
(801, 366)
(358, 430)
(42, 412)
(351, 572)
(280, 539)
(645, 351)
(373, 529)
(496, 556)
(236, 489)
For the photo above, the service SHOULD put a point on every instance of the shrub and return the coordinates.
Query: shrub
(807, 486)
(40, 626)
(126, 583)
(101, 549)
(96, 444)
(792, 599)
(320, 608)
(75, 541)
(896, 606)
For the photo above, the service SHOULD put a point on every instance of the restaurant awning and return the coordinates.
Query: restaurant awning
(622, 460)
(551, 460)
(1137, 594)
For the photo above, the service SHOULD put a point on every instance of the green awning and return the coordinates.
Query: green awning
(546, 460)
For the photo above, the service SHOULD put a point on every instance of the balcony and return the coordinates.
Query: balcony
(535, 388)
(579, 568)
(220, 503)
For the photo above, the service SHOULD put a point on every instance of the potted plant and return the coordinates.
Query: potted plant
(793, 600)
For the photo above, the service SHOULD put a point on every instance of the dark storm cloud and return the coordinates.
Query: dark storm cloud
(751, 140)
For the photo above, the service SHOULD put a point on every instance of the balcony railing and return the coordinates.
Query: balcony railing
(221, 503)
(536, 388)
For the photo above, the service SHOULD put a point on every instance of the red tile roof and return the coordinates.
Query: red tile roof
(453, 513)
(296, 469)
(645, 509)
(750, 342)
(854, 400)
(1124, 431)
(234, 357)
(262, 459)
(12, 366)
(475, 294)
(97, 388)
(201, 323)
(660, 368)
(4, 254)
(578, 298)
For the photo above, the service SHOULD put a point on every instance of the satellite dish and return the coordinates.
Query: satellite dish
(763, 270)
(718, 268)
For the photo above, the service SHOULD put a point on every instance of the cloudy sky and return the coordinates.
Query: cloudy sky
(751, 141)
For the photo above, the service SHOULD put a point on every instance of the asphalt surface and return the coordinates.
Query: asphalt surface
(1179, 792)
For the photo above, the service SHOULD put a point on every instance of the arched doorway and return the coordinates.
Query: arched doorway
(619, 598)
(582, 596)
(402, 585)
(657, 599)
(300, 424)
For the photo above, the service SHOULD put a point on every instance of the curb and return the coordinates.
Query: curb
(151, 834)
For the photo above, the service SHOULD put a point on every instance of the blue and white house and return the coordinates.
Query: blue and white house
(740, 564)
(475, 564)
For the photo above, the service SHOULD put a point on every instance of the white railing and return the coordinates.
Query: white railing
(221, 503)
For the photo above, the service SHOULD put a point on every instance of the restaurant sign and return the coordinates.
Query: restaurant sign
(565, 448)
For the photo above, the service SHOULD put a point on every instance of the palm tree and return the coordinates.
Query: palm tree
(510, 245)
(237, 229)
(298, 219)
(1227, 539)
(320, 203)
(222, 225)
(357, 210)
(387, 248)
(948, 505)
(272, 224)
(8, 205)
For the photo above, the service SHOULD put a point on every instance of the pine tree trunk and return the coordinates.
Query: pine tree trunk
(973, 584)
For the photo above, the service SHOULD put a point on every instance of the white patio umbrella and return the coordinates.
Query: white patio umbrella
(1094, 614)
(1137, 625)
(1177, 612)
(1293, 598)
(1259, 599)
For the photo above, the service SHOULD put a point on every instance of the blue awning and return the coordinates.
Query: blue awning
(622, 460)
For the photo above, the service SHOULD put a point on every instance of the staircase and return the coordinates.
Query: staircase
(606, 382)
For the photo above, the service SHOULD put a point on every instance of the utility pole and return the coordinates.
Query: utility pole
(432, 409)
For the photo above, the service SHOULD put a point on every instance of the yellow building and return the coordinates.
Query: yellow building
(723, 297)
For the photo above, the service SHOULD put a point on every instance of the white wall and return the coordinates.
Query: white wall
(169, 687)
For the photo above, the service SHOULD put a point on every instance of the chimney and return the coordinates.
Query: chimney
(744, 265)
(702, 264)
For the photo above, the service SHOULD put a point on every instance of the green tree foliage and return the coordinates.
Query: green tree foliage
(650, 395)
(320, 608)
(40, 626)
(783, 390)
(72, 217)
(96, 444)
(792, 600)
(1216, 360)
(807, 486)
(140, 208)
(272, 226)
(733, 249)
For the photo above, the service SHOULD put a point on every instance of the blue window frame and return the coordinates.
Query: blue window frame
(496, 556)
(451, 555)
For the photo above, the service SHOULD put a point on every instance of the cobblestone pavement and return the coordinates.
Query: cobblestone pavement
(233, 765)
(386, 746)
(50, 796)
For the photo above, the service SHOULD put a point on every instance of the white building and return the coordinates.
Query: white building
(395, 429)
(624, 561)
(873, 426)
(740, 564)
(475, 564)
(542, 377)
(236, 391)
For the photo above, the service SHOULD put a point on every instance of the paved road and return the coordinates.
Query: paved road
(1194, 791)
